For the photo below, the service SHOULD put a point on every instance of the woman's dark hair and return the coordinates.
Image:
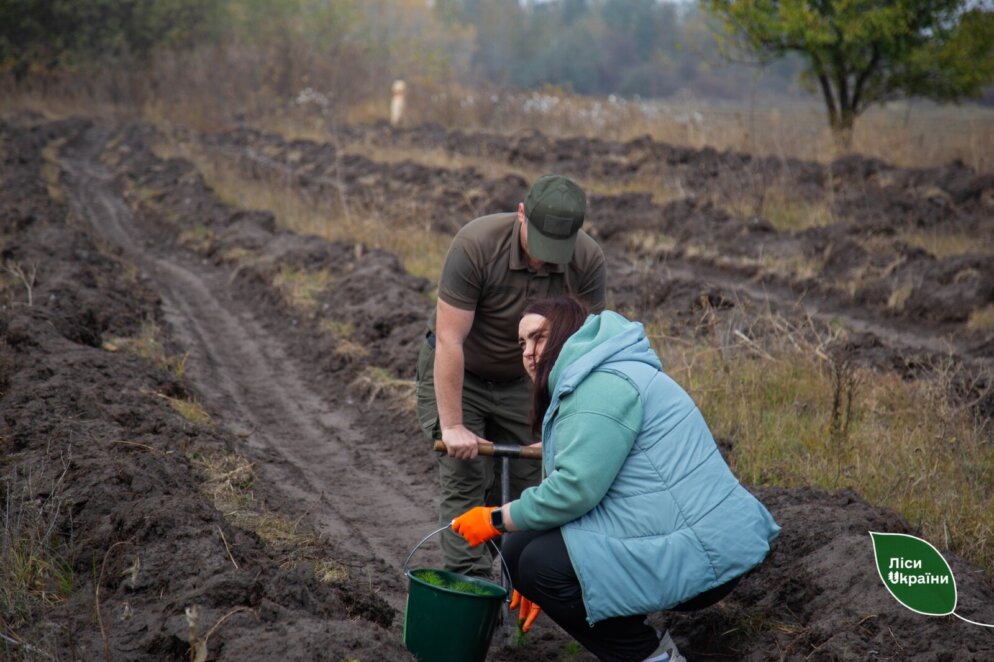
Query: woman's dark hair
(564, 315)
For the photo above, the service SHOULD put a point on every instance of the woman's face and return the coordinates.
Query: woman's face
(532, 334)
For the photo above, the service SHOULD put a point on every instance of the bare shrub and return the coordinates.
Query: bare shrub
(26, 275)
(844, 380)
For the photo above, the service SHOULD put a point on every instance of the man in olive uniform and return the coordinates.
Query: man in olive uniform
(471, 384)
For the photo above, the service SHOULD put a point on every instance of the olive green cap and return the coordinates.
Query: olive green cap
(555, 207)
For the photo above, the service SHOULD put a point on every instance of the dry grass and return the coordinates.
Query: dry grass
(295, 126)
(647, 242)
(899, 297)
(301, 288)
(189, 409)
(340, 333)
(436, 157)
(420, 249)
(905, 445)
(982, 319)
(943, 245)
(34, 107)
(338, 328)
(660, 192)
(198, 238)
(148, 345)
(36, 556)
(793, 267)
(375, 382)
(912, 134)
(50, 169)
(228, 481)
(907, 134)
(788, 213)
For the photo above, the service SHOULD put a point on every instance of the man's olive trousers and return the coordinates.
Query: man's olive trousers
(495, 411)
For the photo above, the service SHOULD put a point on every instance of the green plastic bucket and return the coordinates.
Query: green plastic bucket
(449, 617)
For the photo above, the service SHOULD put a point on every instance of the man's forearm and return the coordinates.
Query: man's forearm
(449, 364)
(593, 292)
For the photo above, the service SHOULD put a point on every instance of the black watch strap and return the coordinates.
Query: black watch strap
(497, 519)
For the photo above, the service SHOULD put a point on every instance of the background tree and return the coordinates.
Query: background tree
(647, 48)
(38, 35)
(862, 52)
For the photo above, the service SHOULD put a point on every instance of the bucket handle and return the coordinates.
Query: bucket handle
(504, 568)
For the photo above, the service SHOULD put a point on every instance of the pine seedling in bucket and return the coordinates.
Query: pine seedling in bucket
(449, 617)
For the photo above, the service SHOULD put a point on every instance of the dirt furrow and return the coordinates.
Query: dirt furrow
(898, 337)
(312, 448)
(311, 169)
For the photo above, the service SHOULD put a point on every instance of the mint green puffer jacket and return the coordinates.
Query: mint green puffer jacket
(670, 521)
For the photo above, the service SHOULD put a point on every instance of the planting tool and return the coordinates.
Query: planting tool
(500, 450)
(505, 452)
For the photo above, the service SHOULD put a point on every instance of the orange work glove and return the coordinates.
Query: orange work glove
(529, 610)
(474, 525)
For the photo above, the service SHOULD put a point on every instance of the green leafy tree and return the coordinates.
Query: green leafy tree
(864, 52)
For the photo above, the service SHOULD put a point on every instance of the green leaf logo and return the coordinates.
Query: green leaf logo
(915, 573)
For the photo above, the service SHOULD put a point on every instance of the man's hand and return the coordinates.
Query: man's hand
(460, 443)
(475, 526)
(529, 610)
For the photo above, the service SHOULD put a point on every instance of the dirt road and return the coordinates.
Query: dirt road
(242, 370)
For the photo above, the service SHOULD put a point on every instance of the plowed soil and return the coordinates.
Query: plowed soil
(121, 240)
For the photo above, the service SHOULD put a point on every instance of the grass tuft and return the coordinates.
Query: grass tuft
(899, 297)
(783, 209)
(375, 382)
(229, 480)
(341, 332)
(945, 244)
(191, 410)
(36, 555)
(300, 287)
(147, 345)
(331, 572)
(50, 169)
(198, 238)
(982, 319)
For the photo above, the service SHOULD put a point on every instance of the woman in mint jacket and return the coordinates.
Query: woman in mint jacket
(637, 511)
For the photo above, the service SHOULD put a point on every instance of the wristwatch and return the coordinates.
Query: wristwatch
(497, 519)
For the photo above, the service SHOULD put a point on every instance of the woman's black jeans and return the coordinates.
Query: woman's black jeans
(542, 572)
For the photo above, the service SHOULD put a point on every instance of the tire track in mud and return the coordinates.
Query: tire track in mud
(311, 449)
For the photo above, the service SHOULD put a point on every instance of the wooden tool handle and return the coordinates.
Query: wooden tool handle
(500, 450)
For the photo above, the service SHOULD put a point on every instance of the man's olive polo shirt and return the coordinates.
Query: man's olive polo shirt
(487, 271)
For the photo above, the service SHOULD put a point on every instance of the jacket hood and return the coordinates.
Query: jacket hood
(603, 339)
